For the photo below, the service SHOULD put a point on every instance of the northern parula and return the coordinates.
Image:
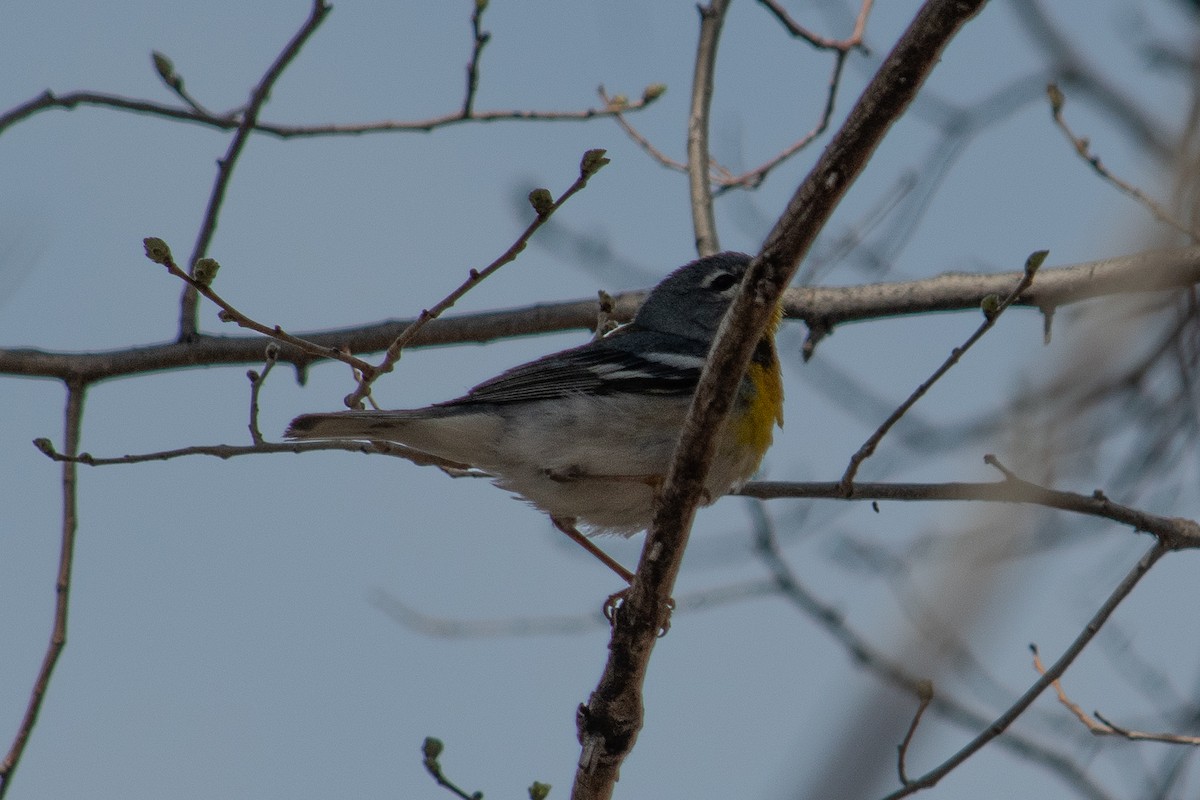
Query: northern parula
(587, 434)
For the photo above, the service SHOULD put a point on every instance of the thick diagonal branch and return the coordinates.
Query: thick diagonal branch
(610, 721)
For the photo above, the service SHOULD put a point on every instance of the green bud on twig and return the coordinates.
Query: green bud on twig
(157, 250)
(539, 791)
(542, 201)
(1035, 260)
(1057, 98)
(165, 69)
(990, 304)
(205, 270)
(653, 92)
(431, 748)
(591, 163)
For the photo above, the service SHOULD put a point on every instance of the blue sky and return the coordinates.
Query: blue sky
(224, 638)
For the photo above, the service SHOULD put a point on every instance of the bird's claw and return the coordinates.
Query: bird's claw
(615, 601)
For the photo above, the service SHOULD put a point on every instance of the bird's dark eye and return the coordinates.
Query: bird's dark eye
(722, 281)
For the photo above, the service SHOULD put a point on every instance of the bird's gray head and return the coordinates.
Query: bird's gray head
(691, 301)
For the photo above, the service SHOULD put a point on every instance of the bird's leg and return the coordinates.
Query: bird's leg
(613, 602)
(567, 526)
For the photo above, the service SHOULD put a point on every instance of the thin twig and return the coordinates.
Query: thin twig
(481, 38)
(431, 750)
(174, 81)
(1084, 150)
(589, 165)
(924, 697)
(722, 178)
(855, 40)
(1099, 726)
(188, 301)
(1141, 736)
(992, 313)
(224, 451)
(231, 314)
(256, 381)
(1072, 68)
(637, 137)
(548, 625)
(755, 177)
(704, 223)
(876, 662)
(1068, 657)
(72, 425)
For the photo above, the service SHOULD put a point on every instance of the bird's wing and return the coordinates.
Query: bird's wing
(615, 364)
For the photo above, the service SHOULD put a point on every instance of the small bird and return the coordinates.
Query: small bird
(587, 434)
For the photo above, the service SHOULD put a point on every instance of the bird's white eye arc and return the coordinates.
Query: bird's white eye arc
(720, 282)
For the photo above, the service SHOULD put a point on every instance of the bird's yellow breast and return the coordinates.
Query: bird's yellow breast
(761, 401)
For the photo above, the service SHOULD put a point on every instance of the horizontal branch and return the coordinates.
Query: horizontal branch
(1174, 532)
(227, 451)
(1153, 270)
(1022, 703)
(819, 307)
(227, 122)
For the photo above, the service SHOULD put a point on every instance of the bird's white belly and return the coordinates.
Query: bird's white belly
(603, 466)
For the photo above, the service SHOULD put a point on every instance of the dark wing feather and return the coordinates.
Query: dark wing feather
(607, 366)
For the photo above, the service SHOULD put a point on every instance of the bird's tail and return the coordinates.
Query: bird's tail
(440, 431)
(379, 425)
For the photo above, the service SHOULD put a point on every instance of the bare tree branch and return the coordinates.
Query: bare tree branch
(48, 100)
(819, 307)
(800, 32)
(887, 670)
(208, 225)
(924, 697)
(224, 451)
(1073, 69)
(62, 586)
(992, 313)
(1176, 533)
(1068, 657)
(1084, 150)
(159, 252)
(257, 379)
(755, 177)
(609, 724)
(721, 177)
(591, 163)
(1099, 726)
(174, 81)
(551, 625)
(544, 207)
(704, 222)
(610, 721)
(480, 38)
